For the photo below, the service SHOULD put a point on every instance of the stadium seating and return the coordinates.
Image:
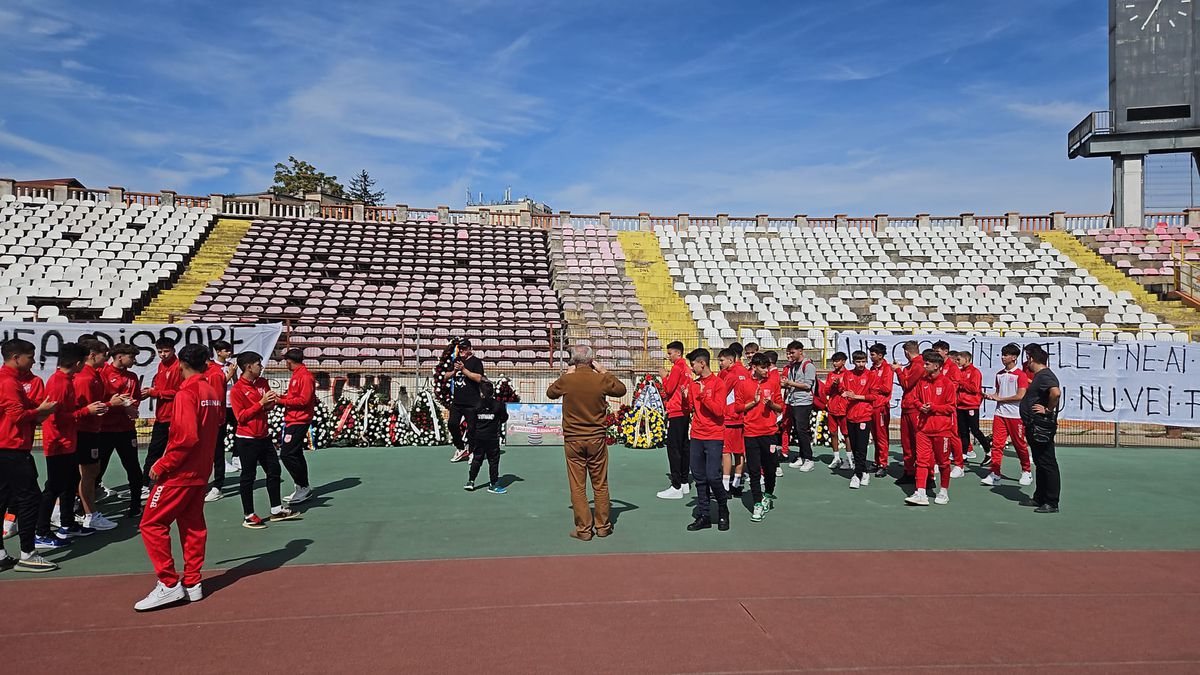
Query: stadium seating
(85, 261)
(598, 298)
(750, 283)
(1144, 254)
(378, 294)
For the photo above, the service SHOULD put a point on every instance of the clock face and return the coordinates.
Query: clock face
(1157, 16)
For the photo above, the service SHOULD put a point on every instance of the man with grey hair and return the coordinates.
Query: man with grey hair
(584, 389)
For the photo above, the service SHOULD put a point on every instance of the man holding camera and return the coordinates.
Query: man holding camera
(464, 379)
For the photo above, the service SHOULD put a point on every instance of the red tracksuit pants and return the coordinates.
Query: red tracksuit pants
(882, 420)
(956, 448)
(1004, 428)
(908, 439)
(931, 451)
(184, 506)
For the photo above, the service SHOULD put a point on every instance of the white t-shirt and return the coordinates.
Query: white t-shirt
(1008, 383)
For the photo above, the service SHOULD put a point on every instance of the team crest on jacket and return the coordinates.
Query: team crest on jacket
(937, 391)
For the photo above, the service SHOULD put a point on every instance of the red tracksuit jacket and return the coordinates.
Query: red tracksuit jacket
(89, 388)
(245, 400)
(166, 383)
(197, 414)
(861, 383)
(909, 376)
(761, 420)
(885, 379)
(942, 395)
(970, 388)
(122, 382)
(835, 405)
(18, 412)
(673, 386)
(59, 430)
(708, 409)
(739, 390)
(300, 399)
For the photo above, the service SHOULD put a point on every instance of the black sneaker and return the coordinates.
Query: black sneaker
(699, 524)
(1046, 508)
(723, 523)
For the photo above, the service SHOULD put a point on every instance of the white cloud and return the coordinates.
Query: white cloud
(1061, 113)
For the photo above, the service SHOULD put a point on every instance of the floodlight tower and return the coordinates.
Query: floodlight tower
(1153, 97)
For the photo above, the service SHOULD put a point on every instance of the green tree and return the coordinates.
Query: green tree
(302, 177)
(360, 190)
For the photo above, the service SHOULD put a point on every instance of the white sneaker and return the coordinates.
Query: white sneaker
(1026, 478)
(213, 495)
(230, 468)
(848, 463)
(10, 528)
(990, 479)
(161, 595)
(835, 463)
(957, 472)
(807, 466)
(145, 493)
(671, 493)
(97, 521)
(866, 479)
(687, 488)
(942, 497)
(778, 471)
(970, 455)
(796, 464)
(236, 463)
(854, 482)
(107, 491)
(195, 593)
(56, 516)
(301, 494)
(918, 498)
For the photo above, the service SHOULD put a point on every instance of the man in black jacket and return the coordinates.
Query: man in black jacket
(484, 428)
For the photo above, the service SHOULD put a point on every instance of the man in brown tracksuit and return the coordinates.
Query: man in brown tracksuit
(584, 388)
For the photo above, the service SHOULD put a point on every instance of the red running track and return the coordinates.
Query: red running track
(664, 613)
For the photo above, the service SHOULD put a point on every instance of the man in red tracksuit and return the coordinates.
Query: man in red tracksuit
(89, 390)
(219, 374)
(762, 435)
(937, 397)
(118, 431)
(18, 472)
(181, 477)
(970, 397)
(162, 389)
(739, 388)
(858, 388)
(909, 376)
(950, 370)
(707, 397)
(678, 419)
(299, 402)
(881, 419)
(252, 398)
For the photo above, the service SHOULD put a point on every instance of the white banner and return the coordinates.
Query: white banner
(48, 337)
(1144, 381)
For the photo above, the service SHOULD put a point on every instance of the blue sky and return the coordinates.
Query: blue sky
(814, 106)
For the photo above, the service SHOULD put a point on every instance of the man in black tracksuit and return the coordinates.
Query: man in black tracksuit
(465, 379)
(484, 429)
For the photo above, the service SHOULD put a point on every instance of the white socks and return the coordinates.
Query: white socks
(276, 509)
(27, 556)
(725, 481)
(737, 480)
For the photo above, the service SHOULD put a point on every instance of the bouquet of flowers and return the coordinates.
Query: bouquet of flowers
(443, 386)
(612, 423)
(649, 392)
(426, 425)
(644, 427)
(504, 390)
(820, 428)
(319, 430)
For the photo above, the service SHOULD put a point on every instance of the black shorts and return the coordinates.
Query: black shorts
(87, 447)
(118, 441)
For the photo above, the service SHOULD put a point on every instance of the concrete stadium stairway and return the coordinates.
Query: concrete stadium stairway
(668, 315)
(1170, 311)
(209, 263)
